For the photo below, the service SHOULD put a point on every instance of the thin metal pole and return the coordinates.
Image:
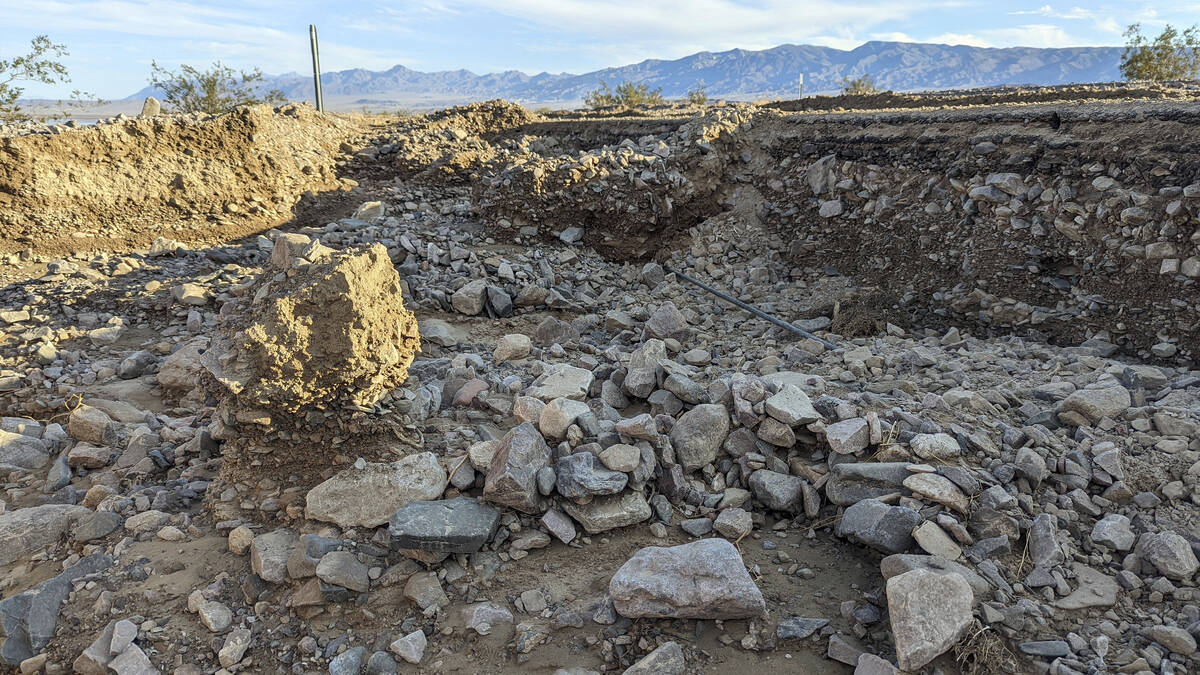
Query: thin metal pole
(320, 99)
(750, 308)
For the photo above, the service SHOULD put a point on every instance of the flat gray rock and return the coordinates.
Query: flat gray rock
(29, 619)
(852, 482)
(610, 512)
(31, 529)
(459, 525)
(704, 579)
(929, 612)
(882, 527)
(368, 497)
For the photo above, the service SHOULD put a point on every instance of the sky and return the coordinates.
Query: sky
(112, 42)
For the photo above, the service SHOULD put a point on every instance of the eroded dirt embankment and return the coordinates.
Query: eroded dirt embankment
(119, 186)
(1064, 223)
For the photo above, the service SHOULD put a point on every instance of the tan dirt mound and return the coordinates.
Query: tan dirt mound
(323, 334)
(124, 184)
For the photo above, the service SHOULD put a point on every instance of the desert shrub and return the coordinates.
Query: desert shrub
(627, 94)
(862, 85)
(41, 65)
(216, 90)
(1173, 55)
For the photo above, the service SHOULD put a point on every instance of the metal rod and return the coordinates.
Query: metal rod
(320, 99)
(750, 308)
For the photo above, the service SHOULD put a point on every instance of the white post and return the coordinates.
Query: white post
(320, 100)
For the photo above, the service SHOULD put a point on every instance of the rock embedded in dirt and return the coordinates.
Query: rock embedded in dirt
(667, 659)
(269, 554)
(459, 525)
(334, 332)
(929, 613)
(343, 498)
(705, 579)
(29, 619)
(28, 530)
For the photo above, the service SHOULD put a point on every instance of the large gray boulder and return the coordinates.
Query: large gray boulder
(882, 527)
(698, 435)
(369, 496)
(704, 579)
(28, 619)
(930, 612)
(31, 529)
(512, 476)
(459, 525)
(18, 451)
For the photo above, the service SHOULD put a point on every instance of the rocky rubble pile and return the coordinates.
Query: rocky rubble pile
(591, 466)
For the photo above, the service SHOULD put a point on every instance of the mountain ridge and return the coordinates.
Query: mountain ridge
(730, 74)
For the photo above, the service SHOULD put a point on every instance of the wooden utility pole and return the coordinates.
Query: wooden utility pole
(320, 99)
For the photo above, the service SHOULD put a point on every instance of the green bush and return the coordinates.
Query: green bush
(698, 95)
(212, 91)
(627, 94)
(1170, 56)
(39, 65)
(863, 85)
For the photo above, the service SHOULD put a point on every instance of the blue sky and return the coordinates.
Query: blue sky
(113, 41)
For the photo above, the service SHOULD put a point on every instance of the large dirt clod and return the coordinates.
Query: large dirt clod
(326, 334)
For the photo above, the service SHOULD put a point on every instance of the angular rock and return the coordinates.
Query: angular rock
(667, 659)
(698, 435)
(33, 528)
(411, 647)
(369, 496)
(558, 415)
(777, 491)
(582, 475)
(1169, 553)
(1113, 531)
(269, 555)
(894, 565)
(882, 527)
(484, 617)
(848, 436)
(852, 482)
(18, 451)
(1093, 589)
(1096, 404)
(610, 512)
(28, 619)
(791, 406)
(342, 568)
(459, 525)
(798, 627)
(562, 381)
(704, 579)
(929, 614)
(512, 476)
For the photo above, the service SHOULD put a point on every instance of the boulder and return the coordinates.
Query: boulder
(698, 434)
(369, 496)
(459, 525)
(704, 579)
(512, 476)
(929, 612)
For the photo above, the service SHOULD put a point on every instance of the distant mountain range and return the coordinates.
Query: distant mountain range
(734, 74)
